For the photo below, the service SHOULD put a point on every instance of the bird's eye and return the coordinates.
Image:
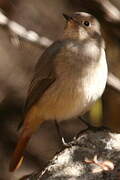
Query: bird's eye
(86, 23)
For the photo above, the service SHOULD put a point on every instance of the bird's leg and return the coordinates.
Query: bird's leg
(82, 131)
(58, 129)
(90, 127)
(93, 128)
(60, 135)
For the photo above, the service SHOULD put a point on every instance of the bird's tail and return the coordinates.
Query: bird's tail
(18, 154)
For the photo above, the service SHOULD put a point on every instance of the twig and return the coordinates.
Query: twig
(23, 33)
(113, 82)
(110, 12)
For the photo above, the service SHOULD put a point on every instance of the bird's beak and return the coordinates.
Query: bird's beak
(68, 18)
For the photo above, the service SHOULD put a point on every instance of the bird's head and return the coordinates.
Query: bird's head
(81, 25)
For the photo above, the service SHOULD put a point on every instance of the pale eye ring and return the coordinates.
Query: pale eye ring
(86, 23)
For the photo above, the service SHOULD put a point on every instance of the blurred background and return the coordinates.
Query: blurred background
(17, 59)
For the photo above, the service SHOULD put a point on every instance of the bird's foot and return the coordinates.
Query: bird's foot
(63, 141)
(93, 128)
(67, 144)
(101, 128)
(90, 127)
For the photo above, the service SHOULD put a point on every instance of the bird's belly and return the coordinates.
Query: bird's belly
(62, 103)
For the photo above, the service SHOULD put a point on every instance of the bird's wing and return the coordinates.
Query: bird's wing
(44, 76)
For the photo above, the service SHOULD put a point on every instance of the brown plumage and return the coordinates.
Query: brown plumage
(42, 79)
(19, 151)
(69, 77)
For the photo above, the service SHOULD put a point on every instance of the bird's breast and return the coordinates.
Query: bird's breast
(95, 79)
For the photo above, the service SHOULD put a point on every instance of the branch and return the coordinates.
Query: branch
(113, 82)
(92, 156)
(18, 30)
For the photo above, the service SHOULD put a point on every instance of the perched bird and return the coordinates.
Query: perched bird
(69, 77)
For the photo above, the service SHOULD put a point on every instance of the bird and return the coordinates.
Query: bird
(68, 78)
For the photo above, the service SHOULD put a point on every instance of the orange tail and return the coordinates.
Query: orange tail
(17, 156)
